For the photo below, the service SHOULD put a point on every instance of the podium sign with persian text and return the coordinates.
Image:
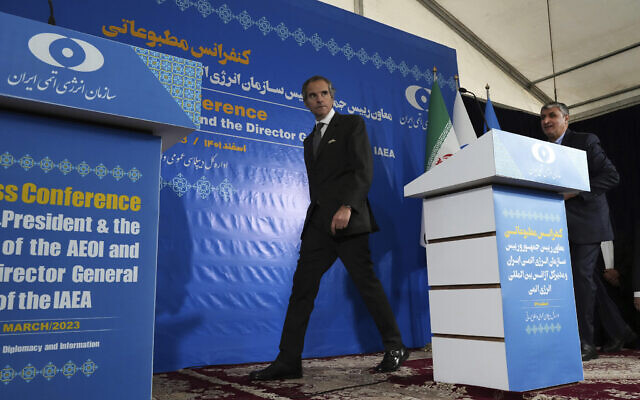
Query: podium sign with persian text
(540, 326)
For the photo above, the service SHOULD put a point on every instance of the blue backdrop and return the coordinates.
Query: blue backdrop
(234, 194)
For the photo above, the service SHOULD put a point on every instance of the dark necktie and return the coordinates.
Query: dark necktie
(317, 137)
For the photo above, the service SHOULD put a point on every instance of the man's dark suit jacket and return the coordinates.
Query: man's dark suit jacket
(588, 213)
(340, 174)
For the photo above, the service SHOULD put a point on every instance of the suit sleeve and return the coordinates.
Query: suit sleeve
(356, 179)
(603, 175)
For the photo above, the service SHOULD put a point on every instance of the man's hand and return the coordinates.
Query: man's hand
(612, 276)
(568, 196)
(636, 303)
(340, 219)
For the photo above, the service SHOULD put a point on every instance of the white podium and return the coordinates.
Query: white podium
(501, 293)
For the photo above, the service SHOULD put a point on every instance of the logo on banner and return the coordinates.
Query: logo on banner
(418, 97)
(65, 52)
(543, 153)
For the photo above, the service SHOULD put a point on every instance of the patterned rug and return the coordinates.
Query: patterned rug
(611, 377)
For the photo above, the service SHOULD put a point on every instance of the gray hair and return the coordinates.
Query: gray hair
(561, 106)
(314, 78)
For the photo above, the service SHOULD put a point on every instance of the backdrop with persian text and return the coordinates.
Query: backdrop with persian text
(234, 194)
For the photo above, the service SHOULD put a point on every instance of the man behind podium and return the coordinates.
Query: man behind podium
(339, 163)
(587, 216)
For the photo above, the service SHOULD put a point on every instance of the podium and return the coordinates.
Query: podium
(83, 121)
(501, 292)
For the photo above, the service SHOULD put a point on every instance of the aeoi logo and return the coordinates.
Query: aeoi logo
(543, 153)
(418, 97)
(64, 52)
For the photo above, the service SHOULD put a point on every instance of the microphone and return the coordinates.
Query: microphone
(52, 20)
(463, 90)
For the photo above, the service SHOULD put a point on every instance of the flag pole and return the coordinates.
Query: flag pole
(490, 114)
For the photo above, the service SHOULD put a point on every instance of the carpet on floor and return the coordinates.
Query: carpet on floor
(610, 377)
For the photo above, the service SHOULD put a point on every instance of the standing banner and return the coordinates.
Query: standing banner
(234, 194)
(78, 230)
(540, 326)
(78, 214)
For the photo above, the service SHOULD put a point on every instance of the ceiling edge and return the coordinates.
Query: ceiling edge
(607, 108)
(478, 44)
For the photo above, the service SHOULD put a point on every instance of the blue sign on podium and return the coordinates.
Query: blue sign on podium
(79, 204)
(540, 326)
(78, 229)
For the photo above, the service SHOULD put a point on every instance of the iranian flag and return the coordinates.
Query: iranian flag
(441, 139)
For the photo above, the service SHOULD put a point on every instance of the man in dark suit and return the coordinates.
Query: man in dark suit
(339, 165)
(587, 216)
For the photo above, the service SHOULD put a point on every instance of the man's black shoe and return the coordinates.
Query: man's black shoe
(589, 352)
(277, 370)
(392, 360)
